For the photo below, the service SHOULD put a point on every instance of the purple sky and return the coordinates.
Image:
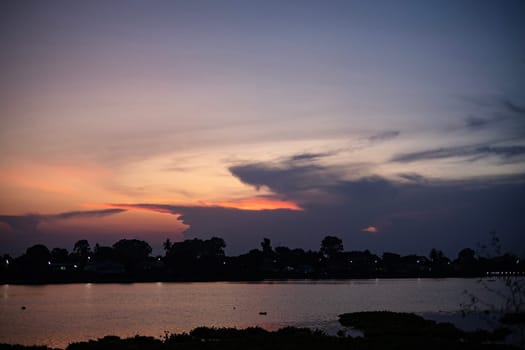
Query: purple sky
(397, 126)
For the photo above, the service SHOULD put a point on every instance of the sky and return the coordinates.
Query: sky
(394, 125)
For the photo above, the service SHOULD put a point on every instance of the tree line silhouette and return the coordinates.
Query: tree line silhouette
(196, 259)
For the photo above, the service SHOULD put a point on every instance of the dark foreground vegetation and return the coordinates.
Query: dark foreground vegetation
(130, 260)
(381, 330)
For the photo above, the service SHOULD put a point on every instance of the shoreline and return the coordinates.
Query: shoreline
(375, 330)
(269, 280)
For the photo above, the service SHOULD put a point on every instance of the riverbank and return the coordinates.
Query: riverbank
(299, 279)
(378, 330)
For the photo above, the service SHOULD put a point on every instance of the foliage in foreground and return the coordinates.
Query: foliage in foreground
(412, 329)
(381, 330)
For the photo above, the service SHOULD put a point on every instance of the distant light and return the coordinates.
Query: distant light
(351, 262)
(517, 261)
(158, 259)
(6, 261)
(417, 261)
(49, 262)
(89, 258)
(75, 266)
(224, 262)
(375, 261)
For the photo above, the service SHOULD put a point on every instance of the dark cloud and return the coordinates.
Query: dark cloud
(309, 156)
(476, 122)
(18, 232)
(472, 152)
(514, 108)
(496, 109)
(496, 103)
(284, 177)
(85, 214)
(413, 177)
(294, 174)
(387, 135)
(408, 216)
(242, 229)
(23, 223)
(29, 222)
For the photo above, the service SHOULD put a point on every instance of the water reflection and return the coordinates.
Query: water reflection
(5, 290)
(59, 314)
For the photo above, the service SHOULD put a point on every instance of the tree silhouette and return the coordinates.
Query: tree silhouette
(82, 248)
(59, 255)
(131, 251)
(167, 245)
(205, 260)
(35, 261)
(331, 246)
(38, 254)
(103, 253)
(436, 255)
(214, 247)
(466, 255)
(266, 246)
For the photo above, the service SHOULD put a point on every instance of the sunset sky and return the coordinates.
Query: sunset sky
(395, 125)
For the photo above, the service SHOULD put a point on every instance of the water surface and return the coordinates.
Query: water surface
(56, 315)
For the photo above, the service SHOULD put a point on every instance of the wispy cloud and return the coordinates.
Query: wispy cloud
(84, 214)
(370, 229)
(413, 178)
(513, 107)
(473, 122)
(157, 208)
(309, 156)
(384, 136)
(471, 152)
(492, 110)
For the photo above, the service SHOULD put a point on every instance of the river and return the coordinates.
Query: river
(57, 315)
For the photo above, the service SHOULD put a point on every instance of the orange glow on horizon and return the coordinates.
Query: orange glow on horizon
(259, 204)
(244, 204)
(53, 178)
